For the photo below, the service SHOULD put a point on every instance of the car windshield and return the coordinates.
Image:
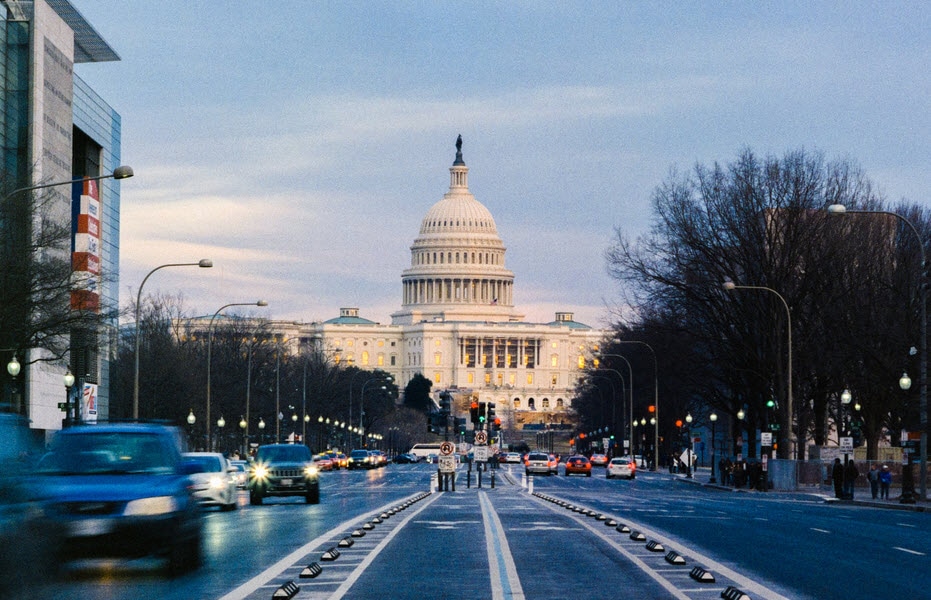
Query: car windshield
(114, 453)
(205, 464)
(283, 454)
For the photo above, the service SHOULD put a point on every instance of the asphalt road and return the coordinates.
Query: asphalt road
(384, 534)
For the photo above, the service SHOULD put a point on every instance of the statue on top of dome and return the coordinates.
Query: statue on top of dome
(459, 144)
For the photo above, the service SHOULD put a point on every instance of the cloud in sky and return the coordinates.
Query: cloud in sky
(299, 144)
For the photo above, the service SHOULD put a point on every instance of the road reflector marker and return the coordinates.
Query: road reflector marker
(654, 546)
(384, 515)
(376, 521)
(732, 593)
(368, 527)
(611, 523)
(346, 542)
(637, 536)
(699, 574)
(358, 533)
(673, 558)
(622, 528)
(311, 571)
(331, 554)
(288, 590)
(601, 517)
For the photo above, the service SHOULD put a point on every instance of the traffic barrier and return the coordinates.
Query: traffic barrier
(331, 554)
(601, 517)
(673, 558)
(384, 515)
(700, 574)
(368, 526)
(311, 571)
(611, 523)
(288, 590)
(654, 546)
(732, 593)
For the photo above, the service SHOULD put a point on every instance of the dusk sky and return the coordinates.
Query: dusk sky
(299, 144)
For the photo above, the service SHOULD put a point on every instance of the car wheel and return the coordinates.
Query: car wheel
(255, 497)
(313, 495)
(184, 556)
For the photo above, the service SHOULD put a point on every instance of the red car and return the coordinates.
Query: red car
(578, 464)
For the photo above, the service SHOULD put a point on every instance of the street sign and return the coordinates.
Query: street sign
(447, 448)
(446, 463)
(766, 438)
(846, 445)
(481, 437)
(480, 453)
(62, 405)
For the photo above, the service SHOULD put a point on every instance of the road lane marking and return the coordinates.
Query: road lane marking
(909, 551)
(505, 584)
(820, 530)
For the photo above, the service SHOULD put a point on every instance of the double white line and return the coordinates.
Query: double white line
(505, 584)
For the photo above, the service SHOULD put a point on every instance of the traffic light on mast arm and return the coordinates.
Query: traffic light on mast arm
(491, 412)
(482, 414)
(473, 411)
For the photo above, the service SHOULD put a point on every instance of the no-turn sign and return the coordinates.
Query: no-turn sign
(447, 448)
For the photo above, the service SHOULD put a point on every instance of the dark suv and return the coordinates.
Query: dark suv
(121, 491)
(284, 470)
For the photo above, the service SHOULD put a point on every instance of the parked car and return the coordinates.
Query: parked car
(284, 470)
(214, 479)
(121, 491)
(537, 462)
(622, 466)
(578, 465)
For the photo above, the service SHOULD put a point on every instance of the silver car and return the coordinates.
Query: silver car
(621, 466)
(214, 479)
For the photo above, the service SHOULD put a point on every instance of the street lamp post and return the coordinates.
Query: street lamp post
(840, 209)
(191, 419)
(210, 349)
(655, 419)
(730, 286)
(630, 391)
(204, 263)
(713, 417)
(69, 381)
(688, 431)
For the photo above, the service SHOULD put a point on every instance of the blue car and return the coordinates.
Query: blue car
(121, 491)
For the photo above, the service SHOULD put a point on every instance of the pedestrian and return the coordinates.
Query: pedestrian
(873, 477)
(837, 475)
(850, 478)
(885, 478)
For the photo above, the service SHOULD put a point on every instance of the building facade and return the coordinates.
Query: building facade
(458, 326)
(57, 129)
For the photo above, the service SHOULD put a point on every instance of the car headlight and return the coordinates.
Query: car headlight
(260, 472)
(158, 505)
(310, 471)
(217, 482)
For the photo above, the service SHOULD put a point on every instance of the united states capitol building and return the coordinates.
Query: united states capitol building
(458, 326)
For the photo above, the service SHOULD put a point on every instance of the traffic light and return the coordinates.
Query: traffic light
(431, 424)
(497, 423)
(445, 401)
(491, 412)
(482, 415)
(473, 411)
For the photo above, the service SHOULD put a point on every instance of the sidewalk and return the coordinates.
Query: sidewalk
(702, 476)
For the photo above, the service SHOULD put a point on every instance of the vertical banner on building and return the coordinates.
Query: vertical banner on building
(85, 246)
(89, 403)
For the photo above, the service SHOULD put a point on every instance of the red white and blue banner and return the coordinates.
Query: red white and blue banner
(85, 245)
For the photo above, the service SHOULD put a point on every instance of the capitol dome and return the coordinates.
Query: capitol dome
(457, 268)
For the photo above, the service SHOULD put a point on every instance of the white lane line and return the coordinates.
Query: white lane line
(909, 551)
(261, 580)
(370, 557)
(819, 530)
(505, 584)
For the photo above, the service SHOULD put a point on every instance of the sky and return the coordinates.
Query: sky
(299, 144)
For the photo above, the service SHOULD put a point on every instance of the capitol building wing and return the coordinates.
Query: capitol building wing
(458, 326)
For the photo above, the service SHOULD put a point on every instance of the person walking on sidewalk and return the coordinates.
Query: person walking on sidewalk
(873, 477)
(885, 478)
(837, 474)
(850, 478)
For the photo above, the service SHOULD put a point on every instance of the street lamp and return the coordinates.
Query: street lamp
(688, 426)
(191, 419)
(210, 348)
(630, 377)
(713, 417)
(221, 423)
(362, 403)
(204, 263)
(243, 424)
(730, 286)
(840, 209)
(655, 419)
(69, 381)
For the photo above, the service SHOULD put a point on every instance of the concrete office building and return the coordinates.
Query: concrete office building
(55, 128)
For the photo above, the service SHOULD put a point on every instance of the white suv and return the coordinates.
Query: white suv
(621, 466)
(537, 462)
